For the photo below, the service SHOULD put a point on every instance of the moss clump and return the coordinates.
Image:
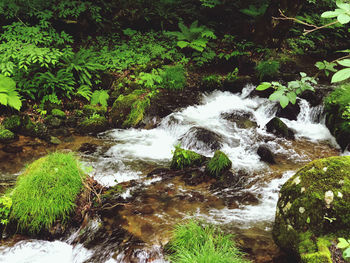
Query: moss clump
(12, 123)
(185, 158)
(314, 204)
(32, 129)
(94, 124)
(89, 110)
(199, 242)
(58, 113)
(338, 114)
(46, 192)
(128, 111)
(6, 135)
(219, 164)
(269, 69)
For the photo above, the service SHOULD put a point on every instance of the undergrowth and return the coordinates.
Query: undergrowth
(46, 192)
(202, 243)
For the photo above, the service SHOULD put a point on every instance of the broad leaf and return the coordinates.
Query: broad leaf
(346, 253)
(343, 19)
(284, 101)
(182, 44)
(331, 14)
(292, 97)
(276, 95)
(263, 86)
(343, 6)
(342, 243)
(344, 62)
(341, 75)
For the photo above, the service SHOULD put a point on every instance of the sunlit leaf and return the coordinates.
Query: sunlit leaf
(344, 62)
(284, 101)
(263, 86)
(341, 75)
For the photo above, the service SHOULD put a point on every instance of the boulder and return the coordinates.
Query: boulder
(279, 128)
(94, 125)
(186, 158)
(313, 209)
(6, 136)
(243, 119)
(198, 138)
(290, 112)
(89, 110)
(12, 123)
(266, 154)
(34, 129)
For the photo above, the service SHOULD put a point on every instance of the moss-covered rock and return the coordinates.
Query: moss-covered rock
(186, 158)
(89, 110)
(6, 136)
(12, 123)
(218, 165)
(58, 113)
(34, 129)
(128, 111)
(313, 208)
(94, 124)
(338, 115)
(279, 128)
(53, 122)
(46, 193)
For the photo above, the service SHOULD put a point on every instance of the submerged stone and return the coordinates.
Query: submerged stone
(266, 154)
(243, 119)
(198, 138)
(279, 128)
(314, 202)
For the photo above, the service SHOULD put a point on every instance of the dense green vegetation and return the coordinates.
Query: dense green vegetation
(45, 193)
(199, 242)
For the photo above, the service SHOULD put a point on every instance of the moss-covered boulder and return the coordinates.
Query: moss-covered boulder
(46, 192)
(12, 123)
(34, 129)
(129, 110)
(279, 128)
(53, 121)
(94, 125)
(338, 115)
(314, 208)
(89, 110)
(6, 136)
(186, 158)
(218, 165)
(58, 113)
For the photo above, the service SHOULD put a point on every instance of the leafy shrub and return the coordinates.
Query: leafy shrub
(267, 68)
(202, 243)
(213, 81)
(195, 37)
(218, 164)
(8, 94)
(99, 97)
(46, 192)
(173, 77)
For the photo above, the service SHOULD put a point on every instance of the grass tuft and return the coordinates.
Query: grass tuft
(202, 243)
(46, 192)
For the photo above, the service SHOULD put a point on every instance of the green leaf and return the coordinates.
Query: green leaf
(341, 75)
(320, 65)
(344, 62)
(342, 243)
(263, 86)
(182, 44)
(331, 14)
(292, 97)
(276, 95)
(346, 253)
(343, 19)
(284, 101)
(343, 6)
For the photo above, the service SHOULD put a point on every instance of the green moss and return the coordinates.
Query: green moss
(213, 81)
(279, 128)
(58, 113)
(46, 192)
(12, 123)
(269, 68)
(89, 110)
(185, 158)
(94, 124)
(218, 164)
(199, 242)
(313, 204)
(6, 135)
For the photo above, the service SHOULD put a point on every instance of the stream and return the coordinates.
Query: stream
(154, 204)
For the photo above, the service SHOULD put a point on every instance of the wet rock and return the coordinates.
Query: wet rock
(316, 97)
(313, 208)
(6, 136)
(186, 158)
(88, 148)
(9, 148)
(266, 154)
(55, 140)
(290, 112)
(94, 125)
(243, 119)
(32, 129)
(89, 110)
(198, 138)
(53, 122)
(218, 165)
(279, 128)
(12, 123)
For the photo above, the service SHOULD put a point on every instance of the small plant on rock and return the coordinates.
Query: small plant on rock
(218, 164)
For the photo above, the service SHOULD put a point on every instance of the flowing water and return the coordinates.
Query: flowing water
(155, 204)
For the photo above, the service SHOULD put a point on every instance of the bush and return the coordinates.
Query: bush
(200, 243)
(173, 77)
(267, 68)
(46, 192)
